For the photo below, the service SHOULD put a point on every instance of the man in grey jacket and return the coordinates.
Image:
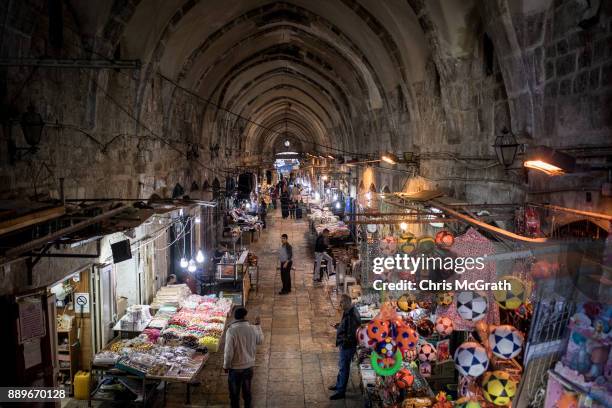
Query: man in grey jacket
(241, 340)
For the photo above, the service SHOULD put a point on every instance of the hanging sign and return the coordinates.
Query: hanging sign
(81, 301)
(31, 319)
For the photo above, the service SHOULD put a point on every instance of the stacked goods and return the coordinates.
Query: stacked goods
(173, 295)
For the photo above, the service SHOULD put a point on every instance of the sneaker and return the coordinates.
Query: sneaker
(337, 396)
(282, 292)
(332, 388)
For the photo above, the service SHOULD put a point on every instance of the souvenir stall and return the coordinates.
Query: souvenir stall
(583, 376)
(241, 221)
(180, 333)
(442, 345)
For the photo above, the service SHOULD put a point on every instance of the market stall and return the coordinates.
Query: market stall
(172, 348)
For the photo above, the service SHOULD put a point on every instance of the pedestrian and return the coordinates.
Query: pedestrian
(241, 341)
(263, 212)
(285, 255)
(321, 247)
(291, 209)
(346, 341)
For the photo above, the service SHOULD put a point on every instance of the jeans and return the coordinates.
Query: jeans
(240, 380)
(286, 276)
(330, 264)
(344, 368)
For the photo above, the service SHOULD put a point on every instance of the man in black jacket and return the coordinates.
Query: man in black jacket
(321, 246)
(346, 340)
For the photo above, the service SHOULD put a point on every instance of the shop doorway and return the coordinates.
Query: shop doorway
(69, 305)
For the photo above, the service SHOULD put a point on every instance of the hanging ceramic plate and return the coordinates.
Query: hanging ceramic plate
(372, 228)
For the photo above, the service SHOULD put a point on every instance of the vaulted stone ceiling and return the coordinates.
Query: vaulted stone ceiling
(311, 67)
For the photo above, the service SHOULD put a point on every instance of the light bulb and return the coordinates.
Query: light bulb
(197, 220)
(181, 212)
(324, 178)
(184, 262)
(328, 191)
(191, 266)
(403, 226)
(248, 205)
(338, 205)
(200, 256)
(335, 197)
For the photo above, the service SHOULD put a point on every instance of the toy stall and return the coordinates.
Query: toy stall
(439, 348)
(583, 377)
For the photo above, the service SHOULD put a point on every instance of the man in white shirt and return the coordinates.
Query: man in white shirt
(241, 339)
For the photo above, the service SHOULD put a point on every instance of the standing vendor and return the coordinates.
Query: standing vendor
(346, 341)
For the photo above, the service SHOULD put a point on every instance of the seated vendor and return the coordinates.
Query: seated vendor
(171, 280)
(219, 252)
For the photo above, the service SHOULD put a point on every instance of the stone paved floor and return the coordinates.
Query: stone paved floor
(298, 359)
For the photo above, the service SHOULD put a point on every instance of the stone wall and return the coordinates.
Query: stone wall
(97, 137)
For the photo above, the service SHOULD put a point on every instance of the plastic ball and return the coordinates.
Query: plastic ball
(406, 303)
(425, 327)
(472, 306)
(406, 338)
(498, 388)
(444, 326)
(444, 239)
(444, 298)
(404, 378)
(427, 352)
(515, 296)
(386, 348)
(471, 359)
(363, 338)
(506, 341)
(378, 330)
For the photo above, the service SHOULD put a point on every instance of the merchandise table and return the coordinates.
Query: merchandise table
(144, 385)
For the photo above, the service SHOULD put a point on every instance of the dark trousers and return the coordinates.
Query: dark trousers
(286, 276)
(344, 368)
(240, 380)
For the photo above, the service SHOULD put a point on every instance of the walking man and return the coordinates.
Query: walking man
(321, 246)
(241, 340)
(346, 340)
(285, 255)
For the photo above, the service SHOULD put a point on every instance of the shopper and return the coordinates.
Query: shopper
(285, 255)
(321, 247)
(241, 339)
(346, 340)
(263, 212)
(291, 209)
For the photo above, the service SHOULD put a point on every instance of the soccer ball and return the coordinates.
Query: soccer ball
(404, 378)
(425, 327)
(513, 298)
(427, 352)
(386, 348)
(363, 338)
(406, 303)
(498, 388)
(444, 326)
(506, 341)
(471, 306)
(426, 244)
(470, 404)
(378, 330)
(471, 359)
(406, 338)
(444, 298)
